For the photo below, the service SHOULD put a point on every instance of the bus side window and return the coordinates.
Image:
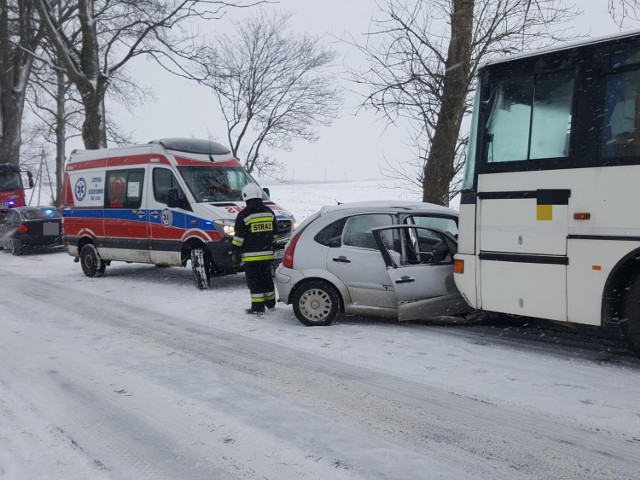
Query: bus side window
(622, 116)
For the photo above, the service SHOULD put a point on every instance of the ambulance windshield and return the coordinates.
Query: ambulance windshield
(216, 184)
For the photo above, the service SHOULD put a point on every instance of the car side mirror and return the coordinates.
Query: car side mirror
(266, 190)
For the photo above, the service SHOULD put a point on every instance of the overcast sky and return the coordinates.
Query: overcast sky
(354, 147)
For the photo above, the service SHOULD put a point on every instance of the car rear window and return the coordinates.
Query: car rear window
(331, 235)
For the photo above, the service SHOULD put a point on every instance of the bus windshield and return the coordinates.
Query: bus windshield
(216, 184)
(10, 180)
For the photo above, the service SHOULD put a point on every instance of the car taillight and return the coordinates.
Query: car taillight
(287, 260)
(23, 228)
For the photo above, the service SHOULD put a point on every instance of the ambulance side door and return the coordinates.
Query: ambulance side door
(166, 225)
(125, 215)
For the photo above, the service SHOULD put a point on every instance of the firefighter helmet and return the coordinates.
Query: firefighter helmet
(250, 191)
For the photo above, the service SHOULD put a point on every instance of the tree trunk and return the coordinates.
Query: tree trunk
(90, 81)
(10, 136)
(93, 127)
(439, 169)
(15, 68)
(61, 133)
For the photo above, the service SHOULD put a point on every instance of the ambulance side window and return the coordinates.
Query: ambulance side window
(163, 181)
(124, 188)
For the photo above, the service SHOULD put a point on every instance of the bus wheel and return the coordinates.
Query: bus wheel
(200, 267)
(631, 312)
(92, 264)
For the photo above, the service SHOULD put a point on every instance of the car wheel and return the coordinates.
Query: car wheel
(631, 311)
(92, 264)
(316, 303)
(200, 267)
(16, 246)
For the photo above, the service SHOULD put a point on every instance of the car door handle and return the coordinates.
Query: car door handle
(155, 214)
(405, 279)
(342, 259)
(141, 214)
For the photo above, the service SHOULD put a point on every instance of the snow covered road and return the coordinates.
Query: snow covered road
(139, 375)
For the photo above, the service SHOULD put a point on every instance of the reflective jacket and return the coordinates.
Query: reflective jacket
(255, 232)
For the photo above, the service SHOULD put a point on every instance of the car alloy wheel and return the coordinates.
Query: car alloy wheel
(316, 303)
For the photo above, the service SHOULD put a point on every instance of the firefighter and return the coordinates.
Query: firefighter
(253, 244)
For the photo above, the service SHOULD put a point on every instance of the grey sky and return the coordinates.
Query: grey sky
(353, 147)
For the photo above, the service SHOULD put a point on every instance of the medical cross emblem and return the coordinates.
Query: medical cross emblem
(167, 217)
(81, 189)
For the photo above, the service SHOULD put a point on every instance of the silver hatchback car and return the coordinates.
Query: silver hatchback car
(383, 258)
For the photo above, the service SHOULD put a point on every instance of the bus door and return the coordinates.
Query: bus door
(523, 251)
(523, 208)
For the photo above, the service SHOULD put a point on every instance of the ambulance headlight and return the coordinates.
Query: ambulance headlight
(226, 227)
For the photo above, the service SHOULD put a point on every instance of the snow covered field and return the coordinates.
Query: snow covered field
(138, 375)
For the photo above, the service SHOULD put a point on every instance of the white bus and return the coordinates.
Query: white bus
(550, 207)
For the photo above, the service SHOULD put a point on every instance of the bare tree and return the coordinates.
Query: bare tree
(621, 10)
(423, 58)
(19, 35)
(58, 115)
(95, 39)
(272, 86)
(55, 104)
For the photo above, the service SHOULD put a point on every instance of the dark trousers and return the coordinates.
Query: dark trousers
(260, 283)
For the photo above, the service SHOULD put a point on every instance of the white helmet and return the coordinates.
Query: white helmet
(251, 190)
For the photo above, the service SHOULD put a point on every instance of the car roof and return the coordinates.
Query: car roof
(35, 207)
(389, 206)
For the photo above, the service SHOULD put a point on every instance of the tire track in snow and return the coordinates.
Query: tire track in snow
(490, 441)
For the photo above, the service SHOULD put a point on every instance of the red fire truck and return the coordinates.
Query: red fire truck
(11, 187)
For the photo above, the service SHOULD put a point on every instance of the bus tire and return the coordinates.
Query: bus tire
(631, 314)
(200, 268)
(316, 303)
(90, 261)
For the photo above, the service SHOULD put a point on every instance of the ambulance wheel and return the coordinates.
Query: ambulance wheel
(316, 303)
(16, 246)
(200, 266)
(92, 264)
(631, 312)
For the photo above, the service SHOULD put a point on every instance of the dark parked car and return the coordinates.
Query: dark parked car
(24, 228)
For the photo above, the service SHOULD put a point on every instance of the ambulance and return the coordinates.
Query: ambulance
(168, 202)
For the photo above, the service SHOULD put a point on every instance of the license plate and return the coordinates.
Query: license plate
(51, 228)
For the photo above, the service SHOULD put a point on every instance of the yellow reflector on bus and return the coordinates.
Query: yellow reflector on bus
(544, 212)
(458, 266)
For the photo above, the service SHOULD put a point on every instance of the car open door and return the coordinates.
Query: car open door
(420, 268)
